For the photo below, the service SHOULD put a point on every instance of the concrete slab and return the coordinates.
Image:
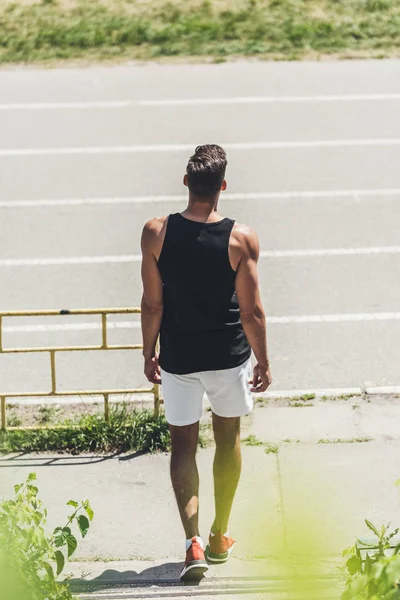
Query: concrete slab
(135, 511)
(307, 424)
(329, 421)
(328, 491)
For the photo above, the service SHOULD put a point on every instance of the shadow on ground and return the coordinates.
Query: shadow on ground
(67, 460)
(162, 575)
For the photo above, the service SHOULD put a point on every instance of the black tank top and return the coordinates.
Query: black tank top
(201, 328)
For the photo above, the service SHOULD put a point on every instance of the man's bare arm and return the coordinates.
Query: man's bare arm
(152, 302)
(251, 309)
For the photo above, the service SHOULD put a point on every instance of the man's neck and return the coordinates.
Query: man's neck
(202, 211)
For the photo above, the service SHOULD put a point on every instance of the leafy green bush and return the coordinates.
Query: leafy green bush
(374, 567)
(31, 560)
(126, 430)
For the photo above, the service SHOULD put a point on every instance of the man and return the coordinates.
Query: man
(201, 295)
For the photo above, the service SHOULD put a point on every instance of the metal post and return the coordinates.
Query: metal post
(3, 414)
(106, 408)
(53, 371)
(104, 329)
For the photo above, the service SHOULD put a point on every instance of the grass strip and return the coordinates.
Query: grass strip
(292, 29)
(127, 430)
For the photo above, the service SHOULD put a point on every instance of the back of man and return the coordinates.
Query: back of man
(201, 295)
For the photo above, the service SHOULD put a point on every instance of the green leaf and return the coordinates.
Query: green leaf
(60, 560)
(71, 545)
(89, 510)
(18, 487)
(61, 535)
(49, 570)
(83, 524)
(32, 477)
(372, 528)
(397, 482)
(37, 517)
(354, 565)
(73, 503)
(368, 565)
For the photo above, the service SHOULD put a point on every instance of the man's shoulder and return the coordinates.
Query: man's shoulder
(244, 234)
(153, 234)
(244, 241)
(155, 225)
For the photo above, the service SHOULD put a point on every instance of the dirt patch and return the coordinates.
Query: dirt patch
(45, 415)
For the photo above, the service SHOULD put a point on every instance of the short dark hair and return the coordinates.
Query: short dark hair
(206, 170)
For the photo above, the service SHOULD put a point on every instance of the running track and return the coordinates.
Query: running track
(88, 155)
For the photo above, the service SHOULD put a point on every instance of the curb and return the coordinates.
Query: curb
(271, 588)
(332, 392)
(382, 390)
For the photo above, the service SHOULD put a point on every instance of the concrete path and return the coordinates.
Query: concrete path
(295, 511)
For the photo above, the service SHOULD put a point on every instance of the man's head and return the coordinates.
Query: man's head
(205, 172)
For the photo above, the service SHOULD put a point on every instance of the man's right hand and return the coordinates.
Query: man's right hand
(152, 369)
(262, 378)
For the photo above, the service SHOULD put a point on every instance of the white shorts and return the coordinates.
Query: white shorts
(228, 392)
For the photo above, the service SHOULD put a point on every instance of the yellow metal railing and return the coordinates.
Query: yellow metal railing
(52, 351)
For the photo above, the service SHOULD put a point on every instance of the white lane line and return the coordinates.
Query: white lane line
(76, 260)
(336, 318)
(284, 320)
(272, 99)
(290, 195)
(68, 105)
(145, 149)
(48, 328)
(197, 101)
(330, 252)
(93, 201)
(132, 258)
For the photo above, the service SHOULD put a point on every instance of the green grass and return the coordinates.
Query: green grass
(252, 440)
(341, 397)
(51, 30)
(362, 440)
(127, 430)
(271, 449)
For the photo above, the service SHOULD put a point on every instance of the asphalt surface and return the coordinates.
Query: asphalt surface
(85, 155)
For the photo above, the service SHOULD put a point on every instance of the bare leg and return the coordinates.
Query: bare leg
(184, 475)
(227, 468)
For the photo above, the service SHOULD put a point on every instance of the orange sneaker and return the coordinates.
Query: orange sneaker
(195, 563)
(219, 548)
